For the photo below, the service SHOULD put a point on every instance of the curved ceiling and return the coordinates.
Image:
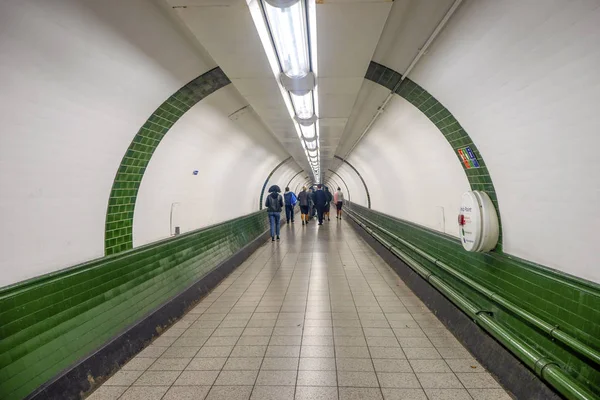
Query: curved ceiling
(512, 82)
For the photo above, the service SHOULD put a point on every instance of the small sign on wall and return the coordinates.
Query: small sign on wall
(468, 158)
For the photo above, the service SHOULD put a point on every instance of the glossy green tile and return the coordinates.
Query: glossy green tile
(559, 299)
(56, 319)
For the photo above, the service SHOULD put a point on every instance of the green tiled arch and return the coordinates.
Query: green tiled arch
(457, 137)
(121, 204)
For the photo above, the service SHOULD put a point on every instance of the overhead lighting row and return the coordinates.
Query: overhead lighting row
(292, 30)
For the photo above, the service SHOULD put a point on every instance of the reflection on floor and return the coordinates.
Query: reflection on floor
(317, 315)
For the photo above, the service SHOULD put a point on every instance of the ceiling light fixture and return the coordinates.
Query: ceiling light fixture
(287, 29)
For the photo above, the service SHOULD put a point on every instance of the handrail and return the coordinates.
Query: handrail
(543, 367)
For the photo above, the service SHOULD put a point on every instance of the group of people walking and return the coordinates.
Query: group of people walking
(311, 202)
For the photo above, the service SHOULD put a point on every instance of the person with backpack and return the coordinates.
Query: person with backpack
(328, 204)
(290, 202)
(303, 199)
(274, 205)
(338, 198)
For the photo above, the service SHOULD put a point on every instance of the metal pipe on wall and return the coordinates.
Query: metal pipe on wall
(543, 367)
(411, 66)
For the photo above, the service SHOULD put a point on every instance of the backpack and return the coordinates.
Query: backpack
(294, 199)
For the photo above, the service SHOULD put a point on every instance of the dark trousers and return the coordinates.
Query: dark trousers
(289, 213)
(320, 211)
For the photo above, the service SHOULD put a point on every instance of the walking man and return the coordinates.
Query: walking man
(320, 198)
(338, 198)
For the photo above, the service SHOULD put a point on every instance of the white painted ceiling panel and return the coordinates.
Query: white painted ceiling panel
(348, 32)
(347, 36)
(409, 24)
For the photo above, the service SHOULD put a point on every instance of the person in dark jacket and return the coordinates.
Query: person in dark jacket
(304, 203)
(320, 198)
(290, 202)
(274, 204)
(311, 204)
(328, 204)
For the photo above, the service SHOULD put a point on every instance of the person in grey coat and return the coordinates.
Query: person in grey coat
(303, 200)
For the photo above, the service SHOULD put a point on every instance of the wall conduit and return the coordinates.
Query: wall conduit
(547, 369)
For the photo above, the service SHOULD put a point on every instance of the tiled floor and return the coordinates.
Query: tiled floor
(316, 316)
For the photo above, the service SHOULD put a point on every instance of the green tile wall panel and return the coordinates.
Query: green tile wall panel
(442, 118)
(563, 300)
(121, 204)
(51, 322)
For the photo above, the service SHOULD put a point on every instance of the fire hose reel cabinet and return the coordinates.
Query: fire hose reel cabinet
(478, 222)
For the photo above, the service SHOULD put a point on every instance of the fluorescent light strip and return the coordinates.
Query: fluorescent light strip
(265, 36)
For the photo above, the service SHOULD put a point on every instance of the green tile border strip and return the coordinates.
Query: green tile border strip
(479, 178)
(123, 195)
(51, 322)
(570, 303)
(264, 187)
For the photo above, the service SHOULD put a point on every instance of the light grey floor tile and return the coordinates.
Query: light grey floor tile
(489, 394)
(352, 352)
(317, 378)
(190, 341)
(265, 331)
(448, 394)
(206, 364)
(243, 364)
(283, 351)
(403, 394)
(355, 364)
(210, 352)
(422, 353)
(478, 380)
(353, 393)
(187, 393)
(254, 340)
(280, 364)
(317, 364)
(157, 378)
(382, 341)
(379, 332)
(317, 341)
(170, 364)
(229, 393)
(387, 352)
(236, 378)
(285, 341)
(276, 378)
(356, 341)
(228, 332)
(196, 378)
(357, 379)
(316, 393)
(273, 393)
(439, 380)
(138, 364)
(144, 393)
(464, 365)
(391, 365)
(164, 341)
(317, 351)
(180, 352)
(414, 342)
(454, 352)
(430, 366)
(248, 351)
